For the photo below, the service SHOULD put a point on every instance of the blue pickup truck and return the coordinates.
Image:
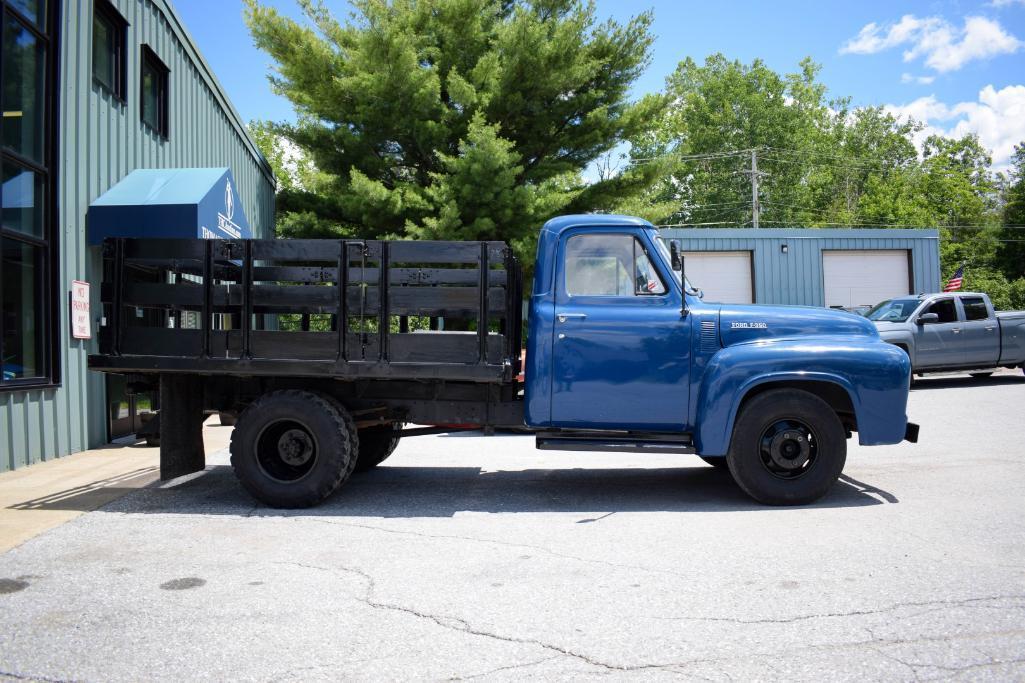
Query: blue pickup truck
(330, 351)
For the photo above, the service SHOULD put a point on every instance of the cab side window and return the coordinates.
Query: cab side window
(610, 265)
(946, 309)
(974, 308)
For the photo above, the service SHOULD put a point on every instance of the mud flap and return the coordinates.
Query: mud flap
(181, 425)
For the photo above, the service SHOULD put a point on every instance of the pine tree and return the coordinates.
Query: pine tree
(454, 119)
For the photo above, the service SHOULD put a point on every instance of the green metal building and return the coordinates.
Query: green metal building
(92, 91)
(844, 268)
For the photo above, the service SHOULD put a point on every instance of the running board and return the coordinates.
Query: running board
(614, 442)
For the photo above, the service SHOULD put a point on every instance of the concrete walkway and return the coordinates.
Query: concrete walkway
(40, 497)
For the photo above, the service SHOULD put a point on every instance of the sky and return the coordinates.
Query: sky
(958, 66)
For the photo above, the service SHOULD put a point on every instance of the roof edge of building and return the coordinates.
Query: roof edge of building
(803, 233)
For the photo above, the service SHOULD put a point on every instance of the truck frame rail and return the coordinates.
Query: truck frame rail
(356, 309)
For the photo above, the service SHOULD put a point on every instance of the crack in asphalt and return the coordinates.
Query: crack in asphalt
(914, 667)
(852, 613)
(463, 626)
(507, 544)
(510, 667)
(30, 677)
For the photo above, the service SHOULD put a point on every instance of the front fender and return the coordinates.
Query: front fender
(875, 376)
(902, 338)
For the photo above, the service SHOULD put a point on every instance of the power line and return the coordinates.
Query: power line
(690, 225)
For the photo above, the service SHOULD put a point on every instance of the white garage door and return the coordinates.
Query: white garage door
(725, 276)
(856, 278)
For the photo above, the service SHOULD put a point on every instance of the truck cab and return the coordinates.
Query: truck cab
(952, 331)
(622, 349)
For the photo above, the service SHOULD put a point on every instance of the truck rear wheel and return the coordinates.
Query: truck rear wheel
(788, 448)
(376, 444)
(291, 449)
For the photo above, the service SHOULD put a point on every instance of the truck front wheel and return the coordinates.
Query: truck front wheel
(788, 447)
(292, 449)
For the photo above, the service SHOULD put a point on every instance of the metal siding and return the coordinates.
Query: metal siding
(100, 141)
(796, 277)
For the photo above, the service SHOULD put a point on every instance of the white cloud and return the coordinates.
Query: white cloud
(940, 45)
(920, 80)
(1006, 3)
(997, 117)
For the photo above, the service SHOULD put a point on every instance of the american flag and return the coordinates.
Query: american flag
(954, 283)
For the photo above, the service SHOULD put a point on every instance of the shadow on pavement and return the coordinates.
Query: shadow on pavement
(955, 381)
(395, 492)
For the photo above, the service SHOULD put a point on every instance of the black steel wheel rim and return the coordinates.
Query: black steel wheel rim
(788, 448)
(286, 451)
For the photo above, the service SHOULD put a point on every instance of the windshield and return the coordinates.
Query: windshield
(893, 310)
(664, 248)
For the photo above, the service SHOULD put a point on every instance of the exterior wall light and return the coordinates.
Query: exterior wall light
(783, 248)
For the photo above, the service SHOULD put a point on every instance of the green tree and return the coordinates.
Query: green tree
(958, 187)
(718, 108)
(454, 119)
(1011, 255)
(818, 157)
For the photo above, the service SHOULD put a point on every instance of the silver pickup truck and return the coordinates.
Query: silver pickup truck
(952, 331)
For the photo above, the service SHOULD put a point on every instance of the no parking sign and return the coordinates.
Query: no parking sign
(80, 327)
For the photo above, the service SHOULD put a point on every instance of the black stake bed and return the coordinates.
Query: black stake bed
(344, 309)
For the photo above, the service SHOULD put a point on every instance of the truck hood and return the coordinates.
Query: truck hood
(741, 323)
(884, 326)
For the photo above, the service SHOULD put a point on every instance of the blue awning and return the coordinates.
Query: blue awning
(179, 202)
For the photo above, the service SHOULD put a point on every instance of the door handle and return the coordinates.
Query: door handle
(563, 317)
(990, 328)
(956, 330)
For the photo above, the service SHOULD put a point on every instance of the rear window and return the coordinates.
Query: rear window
(974, 308)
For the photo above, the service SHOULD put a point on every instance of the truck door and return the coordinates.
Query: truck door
(939, 344)
(621, 349)
(981, 333)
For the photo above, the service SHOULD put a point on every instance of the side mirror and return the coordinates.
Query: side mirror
(674, 252)
(700, 293)
(928, 318)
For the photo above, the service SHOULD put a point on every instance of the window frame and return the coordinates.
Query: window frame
(47, 32)
(945, 300)
(979, 301)
(119, 88)
(149, 58)
(638, 246)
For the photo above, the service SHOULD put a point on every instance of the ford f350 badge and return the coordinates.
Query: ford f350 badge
(748, 326)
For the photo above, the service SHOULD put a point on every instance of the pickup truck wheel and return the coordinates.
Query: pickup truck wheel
(788, 448)
(291, 449)
(376, 444)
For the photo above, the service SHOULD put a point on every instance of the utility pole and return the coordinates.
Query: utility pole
(756, 207)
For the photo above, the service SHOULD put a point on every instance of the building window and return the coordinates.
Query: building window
(154, 93)
(109, 57)
(26, 195)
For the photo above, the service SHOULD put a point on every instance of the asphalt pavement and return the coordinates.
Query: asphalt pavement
(479, 557)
